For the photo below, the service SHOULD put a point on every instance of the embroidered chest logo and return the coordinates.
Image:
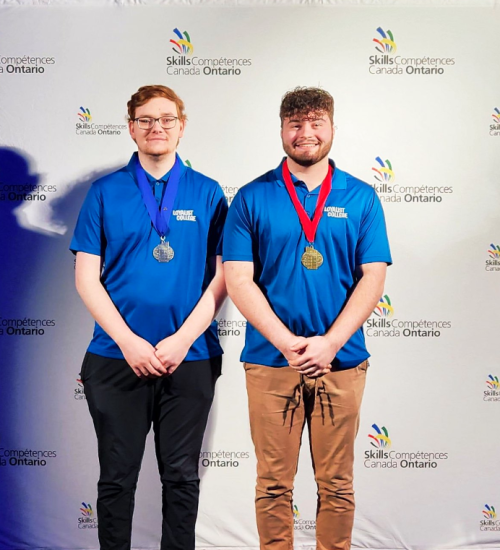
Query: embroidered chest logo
(335, 212)
(184, 215)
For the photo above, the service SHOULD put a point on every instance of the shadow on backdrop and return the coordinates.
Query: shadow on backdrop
(37, 287)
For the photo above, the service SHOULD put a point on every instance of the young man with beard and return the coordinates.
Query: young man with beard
(148, 267)
(305, 255)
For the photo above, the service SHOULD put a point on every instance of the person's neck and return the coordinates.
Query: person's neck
(313, 175)
(157, 166)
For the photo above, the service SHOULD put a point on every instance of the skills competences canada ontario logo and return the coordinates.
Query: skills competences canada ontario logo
(386, 62)
(85, 126)
(185, 63)
(301, 524)
(495, 127)
(25, 457)
(492, 391)
(26, 64)
(489, 521)
(222, 458)
(87, 519)
(384, 323)
(380, 454)
(493, 261)
(79, 393)
(388, 190)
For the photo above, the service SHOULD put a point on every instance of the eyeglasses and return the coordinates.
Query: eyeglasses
(147, 123)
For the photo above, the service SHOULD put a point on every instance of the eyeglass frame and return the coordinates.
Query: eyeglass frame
(155, 120)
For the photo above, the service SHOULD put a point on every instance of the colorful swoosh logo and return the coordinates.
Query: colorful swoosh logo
(386, 43)
(384, 307)
(182, 43)
(384, 171)
(489, 512)
(86, 510)
(381, 438)
(493, 382)
(84, 115)
(494, 251)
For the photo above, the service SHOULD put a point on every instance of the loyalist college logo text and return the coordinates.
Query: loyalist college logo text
(389, 191)
(382, 323)
(387, 62)
(186, 64)
(381, 456)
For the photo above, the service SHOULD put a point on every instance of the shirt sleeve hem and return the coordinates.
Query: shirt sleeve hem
(371, 260)
(94, 251)
(236, 258)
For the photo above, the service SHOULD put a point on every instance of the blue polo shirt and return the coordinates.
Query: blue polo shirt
(263, 227)
(158, 186)
(153, 298)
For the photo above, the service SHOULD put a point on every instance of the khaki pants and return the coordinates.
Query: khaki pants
(280, 402)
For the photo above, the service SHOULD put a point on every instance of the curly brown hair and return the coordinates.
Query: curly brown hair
(145, 93)
(304, 101)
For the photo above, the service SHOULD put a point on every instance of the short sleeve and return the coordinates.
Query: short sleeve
(238, 232)
(373, 244)
(89, 236)
(217, 220)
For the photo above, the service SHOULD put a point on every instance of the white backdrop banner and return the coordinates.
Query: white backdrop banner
(417, 94)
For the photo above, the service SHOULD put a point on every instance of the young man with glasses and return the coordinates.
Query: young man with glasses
(148, 268)
(305, 255)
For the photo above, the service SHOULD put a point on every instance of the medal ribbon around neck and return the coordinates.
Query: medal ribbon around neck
(309, 226)
(160, 217)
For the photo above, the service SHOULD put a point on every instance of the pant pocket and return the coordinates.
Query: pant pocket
(363, 366)
(83, 370)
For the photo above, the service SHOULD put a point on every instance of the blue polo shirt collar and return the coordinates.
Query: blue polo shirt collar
(338, 178)
(152, 180)
(131, 168)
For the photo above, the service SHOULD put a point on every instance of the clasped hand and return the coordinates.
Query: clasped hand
(311, 356)
(149, 361)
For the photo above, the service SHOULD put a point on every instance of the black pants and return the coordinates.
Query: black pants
(123, 407)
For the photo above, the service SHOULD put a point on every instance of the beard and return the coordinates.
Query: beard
(308, 158)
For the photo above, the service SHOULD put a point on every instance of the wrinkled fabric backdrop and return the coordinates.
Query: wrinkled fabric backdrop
(417, 95)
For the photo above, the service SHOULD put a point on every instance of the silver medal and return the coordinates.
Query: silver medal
(163, 252)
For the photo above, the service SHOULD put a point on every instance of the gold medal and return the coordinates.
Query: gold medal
(311, 259)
